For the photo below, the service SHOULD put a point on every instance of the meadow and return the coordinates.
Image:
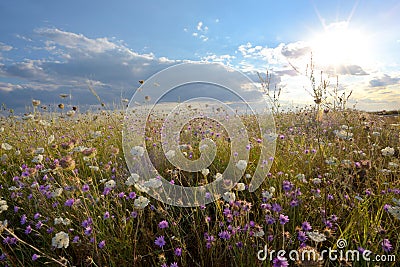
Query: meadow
(68, 199)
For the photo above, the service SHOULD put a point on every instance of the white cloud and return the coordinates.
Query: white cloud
(201, 31)
(71, 60)
(199, 25)
(384, 80)
(5, 47)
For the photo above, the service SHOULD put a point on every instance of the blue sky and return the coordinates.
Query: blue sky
(52, 47)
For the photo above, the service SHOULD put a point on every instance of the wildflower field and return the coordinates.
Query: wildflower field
(68, 199)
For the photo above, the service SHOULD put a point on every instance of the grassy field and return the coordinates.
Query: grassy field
(67, 198)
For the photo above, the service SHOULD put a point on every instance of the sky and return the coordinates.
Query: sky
(48, 47)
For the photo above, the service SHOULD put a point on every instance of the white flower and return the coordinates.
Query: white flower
(44, 123)
(153, 183)
(248, 176)
(301, 177)
(240, 186)
(205, 172)
(266, 194)
(3, 206)
(132, 179)
(393, 165)
(6, 146)
(37, 159)
(376, 134)
(94, 168)
(96, 134)
(50, 139)
(395, 211)
(137, 151)
(110, 184)
(141, 202)
(387, 151)
(3, 224)
(316, 180)
(1, 129)
(170, 154)
(342, 134)
(79, 149)
(17, 152)
(39, 150)
(57, 192)
(70, 113)
(272, 189)
(396, 201)
(229, 196)
(316, 237)
(359, 198)
(60, 240)
(28, 117)
(259, 233)
(241, 165)
(58, 220)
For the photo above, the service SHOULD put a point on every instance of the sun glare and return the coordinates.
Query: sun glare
(340, 45)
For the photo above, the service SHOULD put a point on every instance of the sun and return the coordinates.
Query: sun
(340, 45)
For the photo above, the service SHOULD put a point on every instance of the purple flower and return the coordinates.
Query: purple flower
(163, 224)
(280, 262)
(178, 252)
(28, 230)
(102, 244)
(386, 246)
(306, 226)
(174, 264)
(36, 216)
(106, 215)
(294, 203)
(386, 207)
(283, 219)
(85, 188)
(23, 219)
(328, 224)
(87, 222)
(276, 207)
(88, 230)
(301, 236)
(38, 225)
(160, 241)
(35, 257)
(76, 239)
(286, 185)
(269, 219)
(224, 235)
(132, 195)
(69, 202)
